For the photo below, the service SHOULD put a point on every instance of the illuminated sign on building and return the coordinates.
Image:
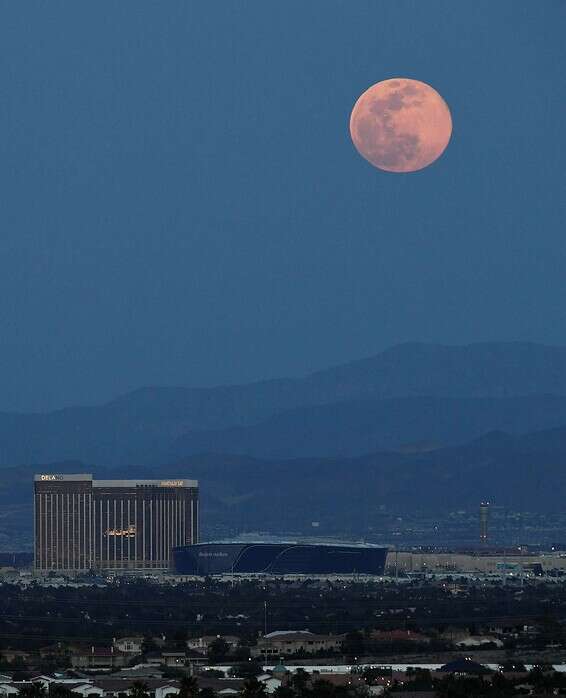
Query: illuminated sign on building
(172, 483)
(129, 532)
(50, 478)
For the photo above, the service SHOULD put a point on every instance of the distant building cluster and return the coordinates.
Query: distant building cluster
(86, 524)
(122, 669)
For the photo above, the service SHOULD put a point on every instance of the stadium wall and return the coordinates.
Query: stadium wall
(278, 559)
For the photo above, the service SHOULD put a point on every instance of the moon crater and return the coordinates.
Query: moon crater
(400, 125)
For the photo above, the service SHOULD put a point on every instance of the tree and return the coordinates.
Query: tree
(253, 688)
(283, 692)
(32, 690)
(322, 689)
(218, 650)
(18, 663)
(188, 687)
(241, 653)
(206, 692)
(358, 692)
(21, 675)
(540, 679)
(299, 682)
(180, 639)
(354, 644)
(510, 665)
(453, 686)
(57, 690)
(419, 680)
(139, 689)
(148, 645)
(246, 669)
(501, 686)
(370, 674)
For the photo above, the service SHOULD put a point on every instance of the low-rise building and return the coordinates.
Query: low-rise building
(98, 658)
(55, 651)
(129, 645)
(342, 679)
(398, 636)
(85, 689)
(478, 641)
(202, 644)
(157, 688)
(270, 682)
(9, 655)
(222, 687)
(283, 643)
(173, 659)
(118, 687)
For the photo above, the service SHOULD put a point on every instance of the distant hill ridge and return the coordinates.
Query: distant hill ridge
(494, 369)
(356, 427)
(524, 473)
(148, 424)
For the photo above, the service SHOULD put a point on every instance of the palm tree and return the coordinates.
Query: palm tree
(283, 692)
(300, 681)
(32, 690)
(188, 687)
(206, 693)
(57, 690)
(253, 688)
(139, 689)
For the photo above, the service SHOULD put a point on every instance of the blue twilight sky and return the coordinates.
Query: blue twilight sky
(180, 201)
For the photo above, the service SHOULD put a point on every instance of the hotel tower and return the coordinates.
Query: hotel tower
(83, 524)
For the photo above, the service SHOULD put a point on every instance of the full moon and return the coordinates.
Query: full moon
(400, 125)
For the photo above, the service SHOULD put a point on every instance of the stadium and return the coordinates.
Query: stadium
(278, 559)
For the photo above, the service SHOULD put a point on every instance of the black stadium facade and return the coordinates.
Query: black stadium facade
(278, 559)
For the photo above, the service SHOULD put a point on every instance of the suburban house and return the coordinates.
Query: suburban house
(128, 645)
(99, 658)
(283, 643)
(201, 644)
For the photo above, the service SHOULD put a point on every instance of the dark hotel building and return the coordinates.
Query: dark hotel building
(83, 524)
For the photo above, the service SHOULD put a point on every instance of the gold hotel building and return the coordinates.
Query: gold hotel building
(83, 524)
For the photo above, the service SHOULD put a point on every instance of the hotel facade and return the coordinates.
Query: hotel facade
(86, 524)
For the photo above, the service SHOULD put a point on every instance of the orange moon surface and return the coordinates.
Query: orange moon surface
(400, 125)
